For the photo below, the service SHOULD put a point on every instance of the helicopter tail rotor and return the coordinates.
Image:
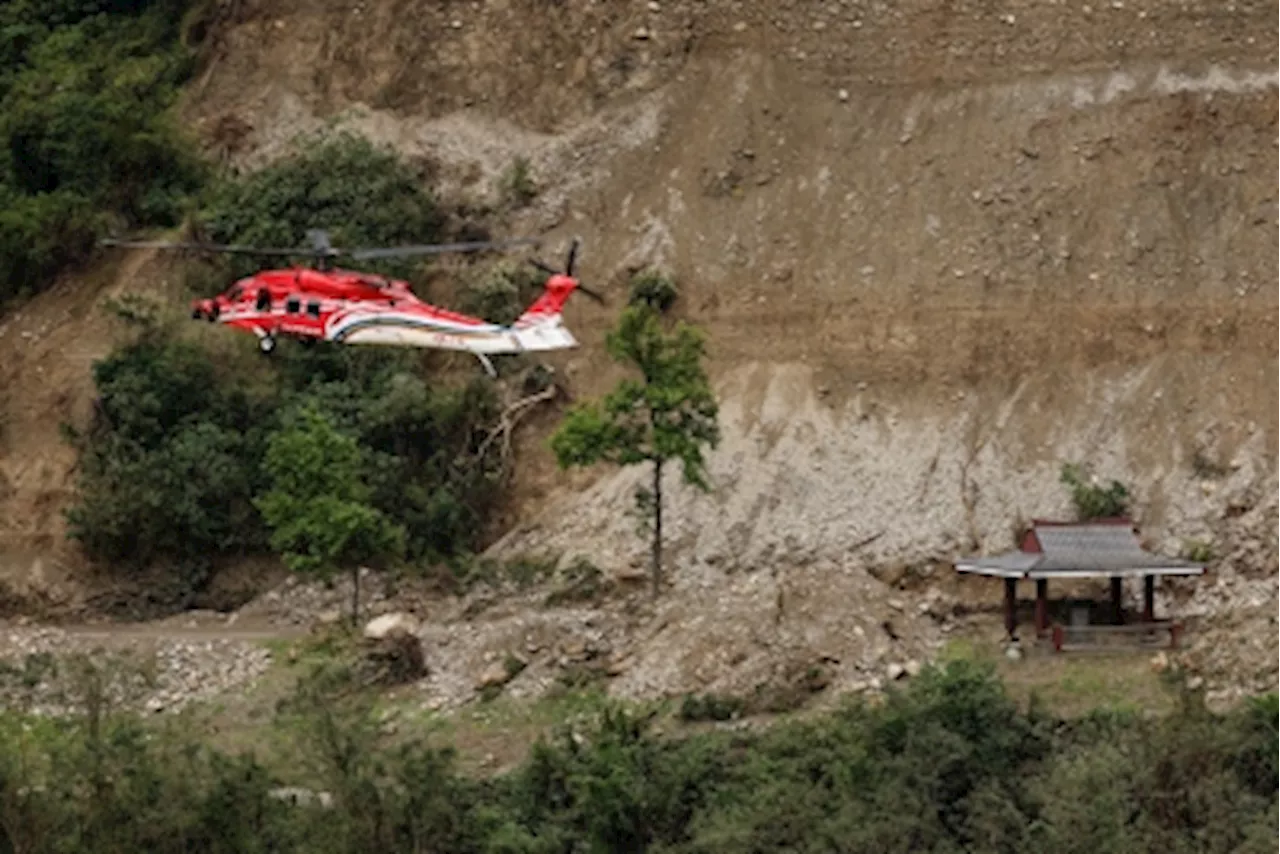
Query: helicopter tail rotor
(569, 264)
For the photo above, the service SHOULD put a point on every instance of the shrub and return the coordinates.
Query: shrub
(653, 288)
(517, 184)
(1092, 500)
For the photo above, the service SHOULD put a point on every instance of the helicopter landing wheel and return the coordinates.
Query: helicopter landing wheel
(267, 344)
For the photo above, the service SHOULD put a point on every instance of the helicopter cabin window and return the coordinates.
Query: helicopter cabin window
(293, 305)
(313, 308)
(264, 299)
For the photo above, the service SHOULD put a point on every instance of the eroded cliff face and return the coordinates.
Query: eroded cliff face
(938, 247)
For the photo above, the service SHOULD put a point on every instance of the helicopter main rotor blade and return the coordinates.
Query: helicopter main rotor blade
(595, 296)
(434, 248)
(205, 247)
(573, 256)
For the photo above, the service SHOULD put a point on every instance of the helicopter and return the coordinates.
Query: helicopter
(326, 303)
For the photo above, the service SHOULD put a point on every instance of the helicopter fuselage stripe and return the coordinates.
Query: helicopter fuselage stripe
(336, 324)
(340, 330)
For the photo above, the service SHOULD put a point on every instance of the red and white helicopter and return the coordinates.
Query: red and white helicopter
(348, 307)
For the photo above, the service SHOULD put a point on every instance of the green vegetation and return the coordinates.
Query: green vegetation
(86, 134)
(517, 184)
(1092, 500)
(654, 289)
(670, 413)
(500, 293)
(362, 194)
(188, 451)
(1198, 551)
(318, 507)
(175, 467)
(948, 763)
(169, 467)
(183, 455)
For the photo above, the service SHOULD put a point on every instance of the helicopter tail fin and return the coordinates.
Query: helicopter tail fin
(540, 327)
(547, 307)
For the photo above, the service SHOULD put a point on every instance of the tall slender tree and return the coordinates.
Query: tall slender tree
(668, 413)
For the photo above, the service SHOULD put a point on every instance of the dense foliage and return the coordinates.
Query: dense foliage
(363, 195)
(171, 463)
(180, 449)
(85, 129)
(178, 463)
(949, 764)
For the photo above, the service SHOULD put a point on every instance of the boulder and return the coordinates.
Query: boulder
(390, 625)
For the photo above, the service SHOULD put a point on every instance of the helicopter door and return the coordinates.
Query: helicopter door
(264, 299)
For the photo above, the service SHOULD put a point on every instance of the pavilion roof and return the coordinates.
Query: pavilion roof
(1101, 548)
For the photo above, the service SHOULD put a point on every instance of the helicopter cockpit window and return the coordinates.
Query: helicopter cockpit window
(313, 308)
(264, 299)
(293, 305)
(235, 294)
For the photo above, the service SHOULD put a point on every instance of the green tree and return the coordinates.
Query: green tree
(318, 508)
(669, 413)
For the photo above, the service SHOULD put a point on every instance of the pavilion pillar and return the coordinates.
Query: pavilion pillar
(1117, 616)
(1010, 606)
(1148, 598)
(1042, 606)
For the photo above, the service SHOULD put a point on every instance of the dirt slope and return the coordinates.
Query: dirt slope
(939, 247)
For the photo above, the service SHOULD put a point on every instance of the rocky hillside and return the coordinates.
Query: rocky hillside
(939, 248)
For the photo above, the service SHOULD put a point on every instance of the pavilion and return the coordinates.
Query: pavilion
(1099, 548)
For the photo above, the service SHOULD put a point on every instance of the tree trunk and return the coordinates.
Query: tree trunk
(355, 597)
(657, 527)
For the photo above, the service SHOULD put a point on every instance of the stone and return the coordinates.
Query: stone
(912, 667)
(494, 675)
(389, 625)
(892, 573)
(895, 671)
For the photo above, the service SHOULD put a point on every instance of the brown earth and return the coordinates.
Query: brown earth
(939, 248)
